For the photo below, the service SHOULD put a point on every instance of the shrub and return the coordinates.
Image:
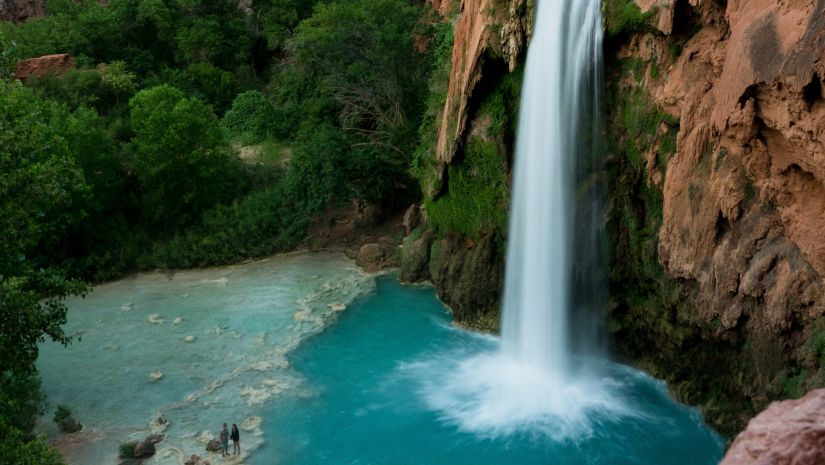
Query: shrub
(17, 448)
(251, 116)
(476, 199)
(127, 450)
(65, 421)
(259, 224)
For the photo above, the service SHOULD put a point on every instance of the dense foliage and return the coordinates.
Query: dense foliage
(135, 160)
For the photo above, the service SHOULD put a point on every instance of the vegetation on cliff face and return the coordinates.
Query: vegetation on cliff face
(653, 318)
(474, 202)
(624, 17)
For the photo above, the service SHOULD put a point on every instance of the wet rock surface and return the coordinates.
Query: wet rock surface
(213, 446)
(415, 256)
(145, 448)
(470, 279)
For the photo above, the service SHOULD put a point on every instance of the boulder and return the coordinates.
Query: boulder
(375, 257)
(155, 438)
(41, 66)
(144, 449)
(193, 460)
(213, 446)
(787, 432)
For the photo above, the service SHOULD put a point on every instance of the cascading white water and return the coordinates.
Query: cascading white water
(557, 102)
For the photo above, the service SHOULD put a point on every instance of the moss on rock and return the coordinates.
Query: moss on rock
(624, 17)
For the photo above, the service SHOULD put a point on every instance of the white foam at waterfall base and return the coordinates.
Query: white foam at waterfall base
(493, 394)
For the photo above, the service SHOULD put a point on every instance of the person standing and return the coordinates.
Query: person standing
(236, 439)
(224, 442)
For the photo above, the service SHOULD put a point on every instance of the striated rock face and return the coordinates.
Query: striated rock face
(21, 10)
(744, 201)
(789, 432)
(456, 238)
(742, 196)
(485, 28)
(443, 7)
(41, 66)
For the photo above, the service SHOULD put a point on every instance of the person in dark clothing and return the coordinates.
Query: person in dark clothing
(224, 442)
(236, 439)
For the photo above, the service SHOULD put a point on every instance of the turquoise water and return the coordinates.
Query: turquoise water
(378, 376)
(318, 362)
(198, 348)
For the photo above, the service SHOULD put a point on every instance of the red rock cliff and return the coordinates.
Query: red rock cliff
(743, 199)
(747, 89)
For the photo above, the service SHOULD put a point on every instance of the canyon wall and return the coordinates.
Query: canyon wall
(715, 125)
(717, 122)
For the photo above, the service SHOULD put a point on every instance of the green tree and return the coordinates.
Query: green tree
(40, 188)
(252, 114)
(16, 449)
(204, 81)
(213, 31)
(363, 55)
(320, 168)
(102, 245)
(7, 52)
(275, 20)
(181, 159)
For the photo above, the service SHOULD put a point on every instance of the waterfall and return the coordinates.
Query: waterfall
(556, 137)
(553, 294)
